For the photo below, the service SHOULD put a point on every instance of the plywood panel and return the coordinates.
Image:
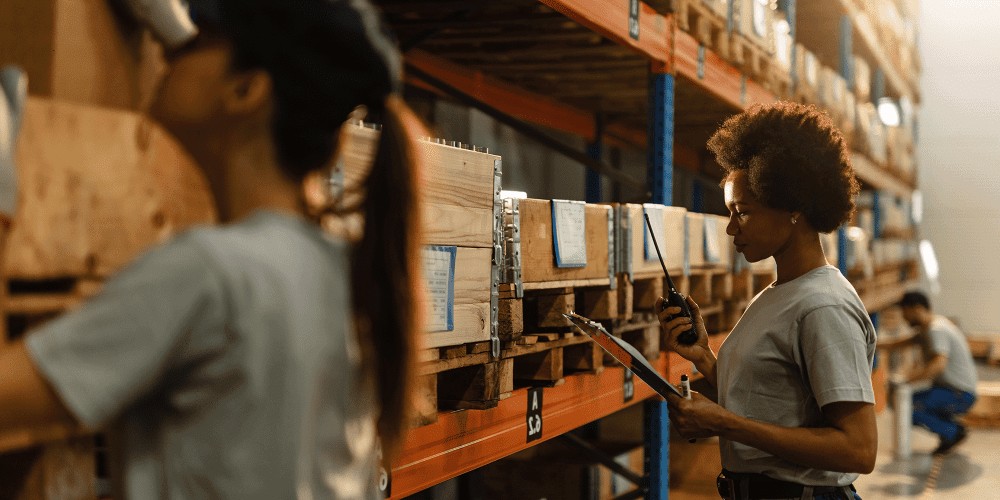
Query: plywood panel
(97, 187)
(457, 186)
(671, 246)
(538, 257)
(471, 300)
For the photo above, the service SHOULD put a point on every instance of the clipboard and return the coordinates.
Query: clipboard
(625, 354)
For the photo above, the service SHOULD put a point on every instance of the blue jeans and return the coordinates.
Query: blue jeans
(936, 408)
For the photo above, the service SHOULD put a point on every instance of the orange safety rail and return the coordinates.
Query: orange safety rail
(464, 440)
(611, 20)
(720, 78)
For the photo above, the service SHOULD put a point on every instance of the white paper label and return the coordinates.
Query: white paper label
(569, 233)
(655, 213)
(439, 273)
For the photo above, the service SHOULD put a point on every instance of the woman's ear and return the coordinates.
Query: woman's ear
(796, 217)
(248, 92)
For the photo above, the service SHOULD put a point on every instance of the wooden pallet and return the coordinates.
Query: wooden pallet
(750, 57)
(707, 25)
(467, 377)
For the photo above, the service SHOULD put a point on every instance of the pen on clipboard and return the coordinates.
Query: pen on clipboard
(686, 391)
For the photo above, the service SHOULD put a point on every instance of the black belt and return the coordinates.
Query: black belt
(739, 486)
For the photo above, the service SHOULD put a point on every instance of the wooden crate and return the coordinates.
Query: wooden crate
(671, 242)
(719, 248)
(695, 240)
(754, 21)
(707, 21)
(80, 51)
(97, 186)
(807, 75)
(538, 266)
(862, 79)
(456, 211)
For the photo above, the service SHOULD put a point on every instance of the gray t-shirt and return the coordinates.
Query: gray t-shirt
(799, 346)
(224, 365)
(943, 337)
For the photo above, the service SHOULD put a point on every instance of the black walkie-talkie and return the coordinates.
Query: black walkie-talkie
(674, 298)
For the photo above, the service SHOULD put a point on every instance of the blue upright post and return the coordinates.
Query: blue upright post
(876, 214)
(661, 161)
(788, 6)
(657, 451)
(595, 150)
(847, 50)
(661, 139)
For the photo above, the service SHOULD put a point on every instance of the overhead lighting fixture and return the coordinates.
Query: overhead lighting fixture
(888, 112)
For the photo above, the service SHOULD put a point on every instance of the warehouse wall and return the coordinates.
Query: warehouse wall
(959, 155)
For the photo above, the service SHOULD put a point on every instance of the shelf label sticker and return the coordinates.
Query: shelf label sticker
(628, 387)
(713, 247)
(655, 213)
(569, 233)
(439, 274)
(534, 414)
(633, 19)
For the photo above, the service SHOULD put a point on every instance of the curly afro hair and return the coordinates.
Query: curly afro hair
(795, 159)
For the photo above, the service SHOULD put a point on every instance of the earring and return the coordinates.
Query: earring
(794, 220)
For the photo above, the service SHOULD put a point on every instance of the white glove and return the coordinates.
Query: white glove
(169, 20)
(14, 83)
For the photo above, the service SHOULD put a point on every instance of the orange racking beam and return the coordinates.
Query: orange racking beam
(465, 440)
(611, 20)
(519, 103)
(505, 97)
(720, 78)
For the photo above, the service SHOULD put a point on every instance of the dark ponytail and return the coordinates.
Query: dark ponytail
(385, 273)
(325, 58)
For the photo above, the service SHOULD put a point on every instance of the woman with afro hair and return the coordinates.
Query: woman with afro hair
(795, 416)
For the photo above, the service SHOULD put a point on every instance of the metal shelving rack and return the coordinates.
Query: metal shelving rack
(626, 76)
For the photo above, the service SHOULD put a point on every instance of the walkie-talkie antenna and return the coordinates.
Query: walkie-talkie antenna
(673, 298)
(658, 254)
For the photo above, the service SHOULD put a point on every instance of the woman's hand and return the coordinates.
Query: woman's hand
(672, 328)
(697, 417)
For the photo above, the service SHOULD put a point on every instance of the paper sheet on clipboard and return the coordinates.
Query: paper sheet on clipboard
(625, 354)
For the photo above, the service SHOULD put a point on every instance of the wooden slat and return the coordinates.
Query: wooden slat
(457, 188)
